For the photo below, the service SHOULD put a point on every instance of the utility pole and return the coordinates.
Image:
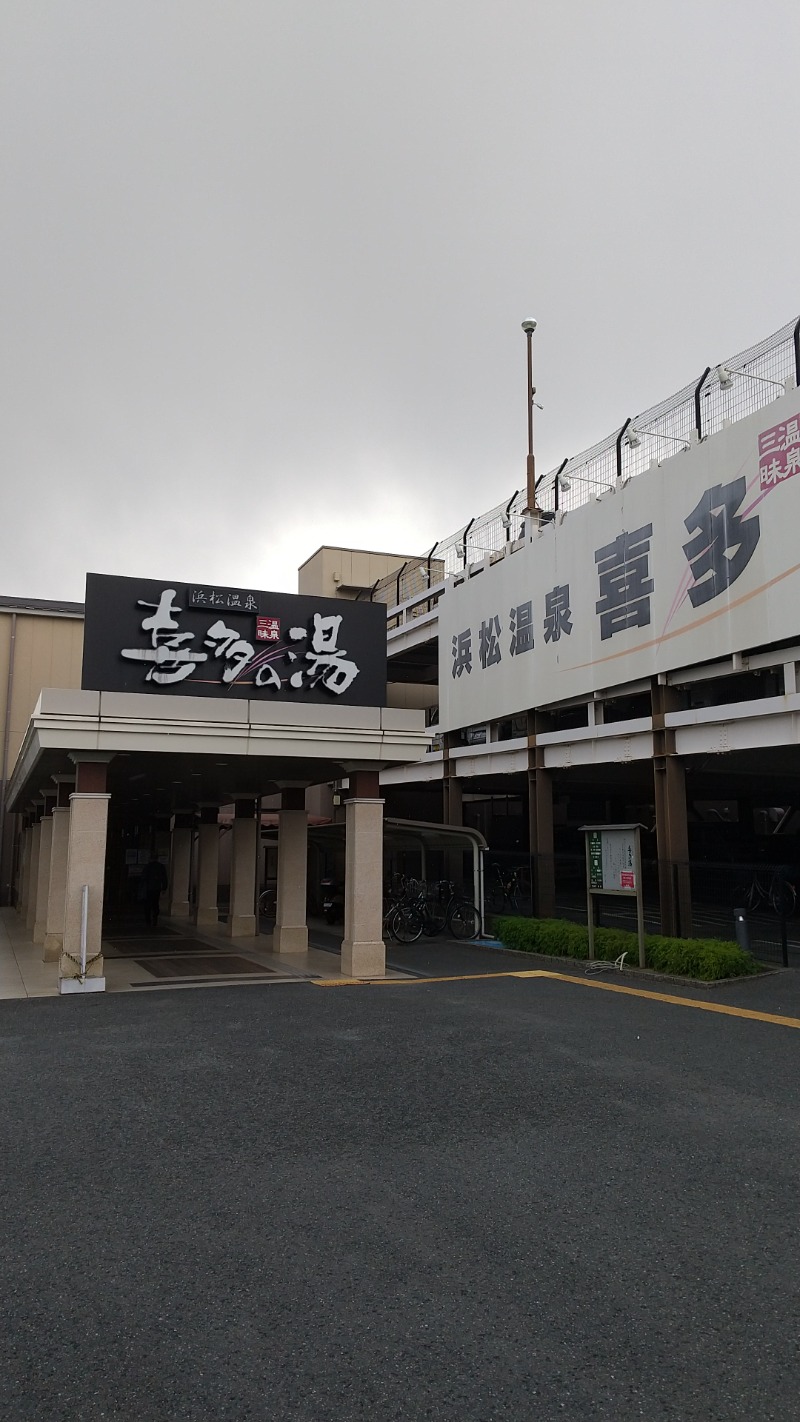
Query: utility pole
(531, 506)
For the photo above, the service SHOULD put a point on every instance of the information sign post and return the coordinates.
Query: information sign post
(614, 868)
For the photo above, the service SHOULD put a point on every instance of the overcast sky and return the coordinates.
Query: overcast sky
(264, 262)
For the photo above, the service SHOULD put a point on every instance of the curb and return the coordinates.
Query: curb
(648, 974)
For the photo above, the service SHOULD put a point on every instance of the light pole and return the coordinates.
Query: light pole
(531, 506)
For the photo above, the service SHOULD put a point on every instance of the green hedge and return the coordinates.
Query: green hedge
(706, 958)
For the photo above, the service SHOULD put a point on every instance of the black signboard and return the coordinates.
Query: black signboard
(199, 639)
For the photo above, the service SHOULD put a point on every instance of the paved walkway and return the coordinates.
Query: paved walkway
(216, 960)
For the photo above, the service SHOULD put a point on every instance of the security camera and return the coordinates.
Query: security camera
(529, 326)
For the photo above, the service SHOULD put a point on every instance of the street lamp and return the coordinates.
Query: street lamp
(531, 507)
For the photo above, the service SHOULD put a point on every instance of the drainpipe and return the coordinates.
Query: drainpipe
(6, 739)
(796, 339)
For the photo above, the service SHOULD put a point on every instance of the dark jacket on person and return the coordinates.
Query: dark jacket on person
(154, 879)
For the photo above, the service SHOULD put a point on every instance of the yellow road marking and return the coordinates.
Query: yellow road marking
(720, 1007)
(670, 997)
(403, 982)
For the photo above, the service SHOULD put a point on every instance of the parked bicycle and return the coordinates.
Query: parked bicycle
(444, 908)
(767, 889)
(503, 890)
(414, 908)
(267, 902)
(403, 914)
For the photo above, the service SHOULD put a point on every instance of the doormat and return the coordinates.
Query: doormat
(154, 946)
(217, 965)
(134, 928)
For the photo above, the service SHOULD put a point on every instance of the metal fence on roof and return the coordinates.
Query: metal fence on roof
(718, 396)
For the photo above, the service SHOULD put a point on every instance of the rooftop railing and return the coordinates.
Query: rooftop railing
(717, 397)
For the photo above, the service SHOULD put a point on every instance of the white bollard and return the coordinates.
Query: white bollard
(82, 983)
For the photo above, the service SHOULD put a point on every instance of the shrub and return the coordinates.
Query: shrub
(707, 959)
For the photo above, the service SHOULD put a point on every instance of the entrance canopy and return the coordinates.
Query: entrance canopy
(99, 771)
(169, 752)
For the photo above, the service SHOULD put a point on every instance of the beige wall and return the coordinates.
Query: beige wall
(342, 572)
(47, 652)
(411, 695)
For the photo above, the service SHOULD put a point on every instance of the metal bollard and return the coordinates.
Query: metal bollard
(741, 929)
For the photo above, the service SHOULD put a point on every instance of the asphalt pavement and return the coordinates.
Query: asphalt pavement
(471, 1200)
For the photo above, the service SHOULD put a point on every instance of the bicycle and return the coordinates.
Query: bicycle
(779, 894)
(504, 890)
(267, 903)
(443, 908)
(403, 916)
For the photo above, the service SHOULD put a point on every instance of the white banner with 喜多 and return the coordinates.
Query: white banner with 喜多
(689, 561)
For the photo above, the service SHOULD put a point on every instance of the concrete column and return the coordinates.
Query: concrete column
(241, 913)
(43, 879)
(452, 809)
(86, 865)
(18, 848)
(291, 927)
(452, 797)
(363, 949)
(672, 827)
(540, 815)
(180, 866)
(540, 827)
(33, 876)
(24, 870)
(672, 846)
(57, 885)
(205, 913)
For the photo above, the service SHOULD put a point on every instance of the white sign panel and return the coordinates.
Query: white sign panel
(619, 859)
(612, 859)
(690, 561)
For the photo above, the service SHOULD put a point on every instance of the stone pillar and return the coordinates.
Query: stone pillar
(242, 910)
(205, 913)
(57, 887)
(86, 864)
(43, 876)
(291, 927)
(33, 876)
(363, 949)
(180, 866)
(24, 869)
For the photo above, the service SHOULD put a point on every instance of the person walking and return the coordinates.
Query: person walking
(153, 884)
